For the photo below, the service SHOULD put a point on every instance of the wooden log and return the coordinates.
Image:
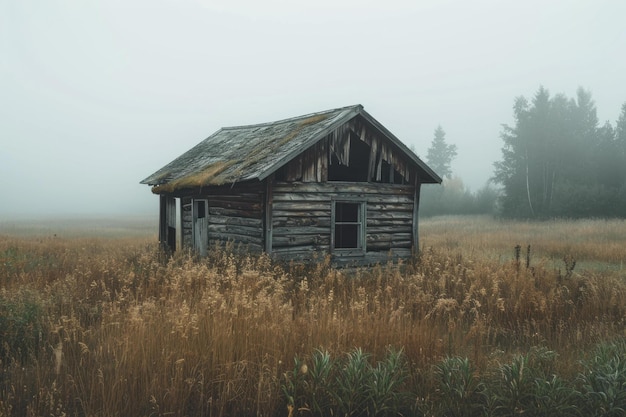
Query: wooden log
(389, 215)
(308, 250)
(300, 240)
(326, 197)
(239, 221)
(390, 222)
(291, 214)
(236, 238)
(391, 207)
(301, 206)
(344, 188)
(243, 205)
(392, 230)
(256, 232)
(385, 246)
(387, 237)
(297, 196)
(235, 213)
(290, 221)
(303, 230)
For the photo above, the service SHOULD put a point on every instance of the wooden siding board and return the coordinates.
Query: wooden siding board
(234, 212)
(294, 230)
(234, 230)
(237, 221)
(341, 187)
(310, 213)
(301, 240)
(289, 221)
(395, 208)
(323, 197)
(392, 222)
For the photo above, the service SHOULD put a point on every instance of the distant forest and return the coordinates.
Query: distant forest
(557, 161)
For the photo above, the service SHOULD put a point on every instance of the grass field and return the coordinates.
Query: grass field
(595, 243)
(99, 322)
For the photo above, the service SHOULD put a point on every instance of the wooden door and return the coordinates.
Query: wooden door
(201, 226)
(167, 222)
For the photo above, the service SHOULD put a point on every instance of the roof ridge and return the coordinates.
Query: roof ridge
(291, 119)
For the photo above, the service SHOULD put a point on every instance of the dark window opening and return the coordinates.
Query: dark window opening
(281, 174)
(385, 170)
(171, 238)
(389, 175)
(348, 226)
(200, 212)
(358, 163)
(398, 178)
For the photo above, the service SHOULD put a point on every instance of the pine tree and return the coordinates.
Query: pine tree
(440, 154)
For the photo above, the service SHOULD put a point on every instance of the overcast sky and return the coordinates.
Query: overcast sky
(97, 95)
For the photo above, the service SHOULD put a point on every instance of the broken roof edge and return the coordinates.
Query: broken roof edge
(352, 112)
(416, 159)
(356, 110)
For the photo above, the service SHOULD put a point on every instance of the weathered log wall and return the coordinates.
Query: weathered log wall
(234, 214)
(301, 219)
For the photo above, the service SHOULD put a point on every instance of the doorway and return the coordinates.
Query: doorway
(200, 215)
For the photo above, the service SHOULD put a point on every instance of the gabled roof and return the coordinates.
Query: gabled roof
(254, 152)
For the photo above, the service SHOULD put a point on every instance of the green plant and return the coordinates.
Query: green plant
(385, 391)
(350, 385)
(21, 325)
(555, 397)
(604, 380)
(318, 381)
(461, 393)
(529, 386)
(515, 390)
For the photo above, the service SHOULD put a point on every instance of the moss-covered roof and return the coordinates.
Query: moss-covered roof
(243, 153)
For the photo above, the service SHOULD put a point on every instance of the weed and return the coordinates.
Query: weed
(460, 391)
(604, 380)
(22, 326)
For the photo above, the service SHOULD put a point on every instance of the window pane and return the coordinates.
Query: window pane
(347, 212)
(346, 236)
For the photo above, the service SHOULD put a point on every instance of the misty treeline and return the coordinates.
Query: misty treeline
(557, 161)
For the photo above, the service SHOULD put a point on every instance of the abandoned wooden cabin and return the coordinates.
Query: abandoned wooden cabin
(335, 182)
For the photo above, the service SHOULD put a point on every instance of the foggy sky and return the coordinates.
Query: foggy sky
(95, 96)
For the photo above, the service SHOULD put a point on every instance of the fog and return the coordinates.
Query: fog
(95, 96)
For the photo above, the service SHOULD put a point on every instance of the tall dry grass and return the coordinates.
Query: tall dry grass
(593, 243)
(104, 327)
